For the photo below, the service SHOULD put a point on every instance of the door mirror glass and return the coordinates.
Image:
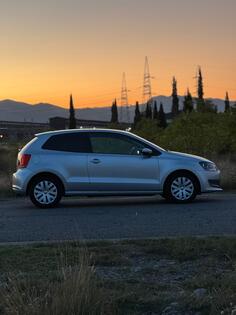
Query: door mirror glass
(147, 152)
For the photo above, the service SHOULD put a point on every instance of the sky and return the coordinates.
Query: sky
(51, 48)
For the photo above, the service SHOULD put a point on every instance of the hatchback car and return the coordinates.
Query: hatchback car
(102, 162)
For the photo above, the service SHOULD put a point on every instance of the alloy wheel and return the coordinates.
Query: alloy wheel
(182, 188)
(45, 192)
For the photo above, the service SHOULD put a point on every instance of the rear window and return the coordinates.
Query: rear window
(68, 142)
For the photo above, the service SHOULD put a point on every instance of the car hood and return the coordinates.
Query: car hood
(186, 156)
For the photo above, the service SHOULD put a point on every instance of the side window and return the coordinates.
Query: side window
(115, 144)
(69, 142)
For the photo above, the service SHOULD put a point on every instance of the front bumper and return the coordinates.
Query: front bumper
(215, 183)
(210, 181)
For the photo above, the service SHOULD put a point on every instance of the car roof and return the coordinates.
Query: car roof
(56, 132)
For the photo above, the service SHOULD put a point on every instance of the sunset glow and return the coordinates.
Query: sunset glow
(52, 48)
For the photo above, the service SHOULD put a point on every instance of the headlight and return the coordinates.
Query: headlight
(208, 166)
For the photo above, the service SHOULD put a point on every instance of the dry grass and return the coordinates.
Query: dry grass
(75, 291)
(60, 279)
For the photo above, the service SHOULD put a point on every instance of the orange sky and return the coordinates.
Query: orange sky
(51, 48)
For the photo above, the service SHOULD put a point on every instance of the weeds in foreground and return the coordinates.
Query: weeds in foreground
(76, 291)
(152, 276)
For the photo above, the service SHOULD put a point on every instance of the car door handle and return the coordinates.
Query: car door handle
(95, 161)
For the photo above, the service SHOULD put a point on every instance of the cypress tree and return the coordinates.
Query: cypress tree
(114, 112)
(137, 116)
(162, 117)
(188, 102)
(72, 120)
(175, 99)
(227, 103)
(200, 85)
(148, 112)
(201, 106)
(155, 111)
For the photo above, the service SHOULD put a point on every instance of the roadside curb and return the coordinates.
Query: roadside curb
(112, 240)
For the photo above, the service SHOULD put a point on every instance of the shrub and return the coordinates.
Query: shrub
(148, 129)
(198, 133)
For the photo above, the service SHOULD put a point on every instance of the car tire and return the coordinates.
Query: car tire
(180, 188)
(46, 192)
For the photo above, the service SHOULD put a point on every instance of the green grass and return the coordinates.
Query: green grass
(127, 277)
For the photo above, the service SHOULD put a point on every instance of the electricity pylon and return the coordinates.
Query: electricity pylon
(147, 87)
(124, 104)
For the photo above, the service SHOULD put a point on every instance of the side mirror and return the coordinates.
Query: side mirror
(147, 152)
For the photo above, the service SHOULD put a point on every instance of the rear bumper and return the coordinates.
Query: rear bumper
(18, 190)
(20, 181)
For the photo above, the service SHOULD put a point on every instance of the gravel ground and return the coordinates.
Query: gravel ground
(115, 218)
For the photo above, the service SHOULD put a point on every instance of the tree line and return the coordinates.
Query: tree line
(153, 113)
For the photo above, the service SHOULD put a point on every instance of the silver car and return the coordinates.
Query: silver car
(99, 162)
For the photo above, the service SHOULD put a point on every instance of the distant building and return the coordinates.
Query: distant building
(16, 131)
(58, 123)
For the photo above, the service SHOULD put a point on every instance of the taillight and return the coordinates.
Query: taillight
(23, 160)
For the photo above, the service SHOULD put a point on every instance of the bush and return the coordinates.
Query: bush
(201, 134)
(197, 133)
(8, 154)
(148, 129)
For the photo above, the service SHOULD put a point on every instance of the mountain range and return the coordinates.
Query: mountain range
(11, 110)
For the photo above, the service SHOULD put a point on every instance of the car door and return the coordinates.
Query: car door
(66, 154)
(117, 164)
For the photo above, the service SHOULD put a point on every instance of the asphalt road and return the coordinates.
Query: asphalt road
(114, 218)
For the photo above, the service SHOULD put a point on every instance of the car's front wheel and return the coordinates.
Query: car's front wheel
(181, 188)
(45, 192)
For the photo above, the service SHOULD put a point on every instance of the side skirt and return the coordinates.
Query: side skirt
(112, 193)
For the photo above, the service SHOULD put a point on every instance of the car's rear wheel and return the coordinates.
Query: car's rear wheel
(181, 188)
(45, 192)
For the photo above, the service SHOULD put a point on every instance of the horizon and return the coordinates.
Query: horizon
(102, 106)
(45, 59)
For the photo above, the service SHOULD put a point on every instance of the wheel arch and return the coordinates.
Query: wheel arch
(181, 171)
(45, 174)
